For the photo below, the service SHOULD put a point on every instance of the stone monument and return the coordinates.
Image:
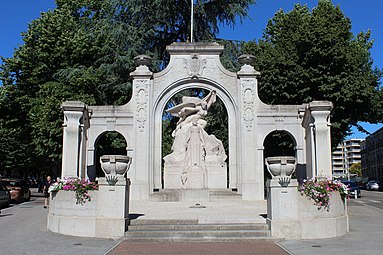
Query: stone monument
(250, 121)
(198, 159)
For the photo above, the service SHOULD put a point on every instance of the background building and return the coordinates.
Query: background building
(345, 155)
(372, 156)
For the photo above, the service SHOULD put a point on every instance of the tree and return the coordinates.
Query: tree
(84, 50)
(356, 168)
(15, 154)
(312, 55)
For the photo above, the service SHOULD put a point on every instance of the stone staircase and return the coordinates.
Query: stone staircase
(177, 230)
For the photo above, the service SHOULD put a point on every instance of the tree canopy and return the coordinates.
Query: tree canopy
(84, 50)
(313, 55)
(356, 168)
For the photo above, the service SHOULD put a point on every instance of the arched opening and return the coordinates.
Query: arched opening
(216, 119)
(108, 143)
(277, 143)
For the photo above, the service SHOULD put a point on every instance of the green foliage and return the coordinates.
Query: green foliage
(84, 50)
(279, 143)
(15, 154)
(356, 168)
(312, 55)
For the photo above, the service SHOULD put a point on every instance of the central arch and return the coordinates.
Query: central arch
(233, 120)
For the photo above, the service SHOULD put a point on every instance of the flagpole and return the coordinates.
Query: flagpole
(192, 21)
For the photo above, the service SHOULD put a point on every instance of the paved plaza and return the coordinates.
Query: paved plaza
(23, 231)
(207, 213)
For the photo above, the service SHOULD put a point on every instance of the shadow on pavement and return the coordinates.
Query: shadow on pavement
(5, 215)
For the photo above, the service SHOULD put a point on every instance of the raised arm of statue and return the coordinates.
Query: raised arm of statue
(210, 99)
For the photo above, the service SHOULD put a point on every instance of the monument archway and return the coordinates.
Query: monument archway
(279, 143)
(232, 130)
(249, 122)
(107, 143)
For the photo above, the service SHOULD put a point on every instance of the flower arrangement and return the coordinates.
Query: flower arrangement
(320, 190)
(79, 186)
(55, 187)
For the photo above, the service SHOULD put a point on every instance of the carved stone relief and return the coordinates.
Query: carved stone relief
(195, 65)
(110, 123)
(141, 87)
(248, 97)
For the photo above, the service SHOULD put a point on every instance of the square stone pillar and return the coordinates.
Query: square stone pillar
(251, 170)
(73, 134)
(316, 122)
(113, 208)
(142, 172)
(282, 202)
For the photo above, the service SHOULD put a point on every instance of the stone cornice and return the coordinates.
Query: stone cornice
(203, 48)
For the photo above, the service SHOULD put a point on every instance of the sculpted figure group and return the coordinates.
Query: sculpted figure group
(192, 146)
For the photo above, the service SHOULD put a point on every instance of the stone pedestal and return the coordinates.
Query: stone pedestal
(195, 177)
(216, 175)
(292, 216)
(172, 176)
(105, 216)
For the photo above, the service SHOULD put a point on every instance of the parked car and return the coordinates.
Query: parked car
(5, 196)
(352, 188)
(19, 189)
(372, 185)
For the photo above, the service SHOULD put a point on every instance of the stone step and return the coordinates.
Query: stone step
(224, 195)
(198, 234)
(189, 230)
(166, 195)
(202, 240)
(184, 227)
(173, 195)
(163, 222)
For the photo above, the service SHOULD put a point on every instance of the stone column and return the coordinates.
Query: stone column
(73, 119)
(251, 183)
(142, 172)
(320, 111)
(318, 138)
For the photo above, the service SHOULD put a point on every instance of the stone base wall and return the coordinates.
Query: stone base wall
(292, 216)
(213, 177)
(105, 216)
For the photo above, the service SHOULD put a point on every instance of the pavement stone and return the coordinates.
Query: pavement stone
(237, 248)
(365, 237)
(23, 231)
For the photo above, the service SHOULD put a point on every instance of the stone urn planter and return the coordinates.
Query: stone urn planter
(115, 166)
(281, 166)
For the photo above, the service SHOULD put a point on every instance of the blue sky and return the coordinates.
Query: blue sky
(15, 16)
